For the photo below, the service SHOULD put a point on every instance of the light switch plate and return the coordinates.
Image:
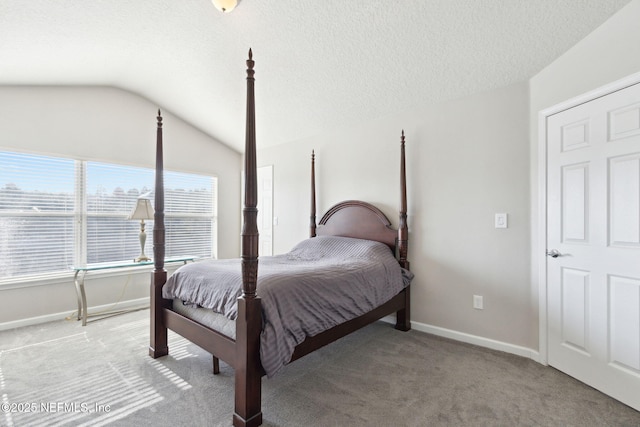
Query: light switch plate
(501, 220)
(478, 302)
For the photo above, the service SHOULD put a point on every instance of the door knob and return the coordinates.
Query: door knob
(554, 253)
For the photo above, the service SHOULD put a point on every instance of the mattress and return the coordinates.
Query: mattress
(322, 282)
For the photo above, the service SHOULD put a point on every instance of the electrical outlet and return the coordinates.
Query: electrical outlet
(501, 220)
(478, 303)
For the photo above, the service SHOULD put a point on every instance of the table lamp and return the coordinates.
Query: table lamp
(143, 210)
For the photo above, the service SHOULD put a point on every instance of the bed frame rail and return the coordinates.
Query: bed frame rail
(209, 339)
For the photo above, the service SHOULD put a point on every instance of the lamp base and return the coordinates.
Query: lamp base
(143, 239)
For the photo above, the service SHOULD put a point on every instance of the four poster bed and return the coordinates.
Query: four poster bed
(298, 302)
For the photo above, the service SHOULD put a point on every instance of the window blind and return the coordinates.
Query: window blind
(111, 195)
(37, 202)
(56, 213)
(191, 212)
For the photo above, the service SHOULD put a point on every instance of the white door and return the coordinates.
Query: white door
(593, 223)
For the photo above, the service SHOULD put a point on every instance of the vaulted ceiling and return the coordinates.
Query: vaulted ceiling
(320, 64)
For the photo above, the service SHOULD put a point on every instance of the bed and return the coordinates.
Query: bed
(241, 322)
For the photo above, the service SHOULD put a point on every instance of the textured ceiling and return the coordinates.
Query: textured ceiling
(320, 64)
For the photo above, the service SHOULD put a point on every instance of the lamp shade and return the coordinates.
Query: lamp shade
(225, 6)
(143, 210)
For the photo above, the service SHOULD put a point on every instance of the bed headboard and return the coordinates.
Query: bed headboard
(362, 220)
(355, 218)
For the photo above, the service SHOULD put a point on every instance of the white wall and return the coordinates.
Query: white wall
(111, 125)
(466, 160)
(608, 54)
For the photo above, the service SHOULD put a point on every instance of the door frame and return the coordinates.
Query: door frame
(539, 249)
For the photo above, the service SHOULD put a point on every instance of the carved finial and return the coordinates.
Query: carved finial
(313, 154)
(250, 64)
(402, 138)
(250, 61)
(159, 118)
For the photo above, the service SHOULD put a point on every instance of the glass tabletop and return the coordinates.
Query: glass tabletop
(124, 264)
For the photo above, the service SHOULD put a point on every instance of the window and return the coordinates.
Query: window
(37, 210)
(55, 213)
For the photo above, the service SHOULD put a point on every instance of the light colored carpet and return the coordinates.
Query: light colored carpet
(63, 374)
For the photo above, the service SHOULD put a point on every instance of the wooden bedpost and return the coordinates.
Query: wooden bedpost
(403, 321)
(312, 222)
(248, 371)
(158, 345)
(403, 229)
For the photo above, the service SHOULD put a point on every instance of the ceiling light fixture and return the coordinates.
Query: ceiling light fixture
(225, 6)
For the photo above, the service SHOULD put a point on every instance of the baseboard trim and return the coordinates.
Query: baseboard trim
(473, 339)
(66, 315)
(422, 327)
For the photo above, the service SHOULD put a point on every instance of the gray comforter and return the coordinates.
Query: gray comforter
(320, 283)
